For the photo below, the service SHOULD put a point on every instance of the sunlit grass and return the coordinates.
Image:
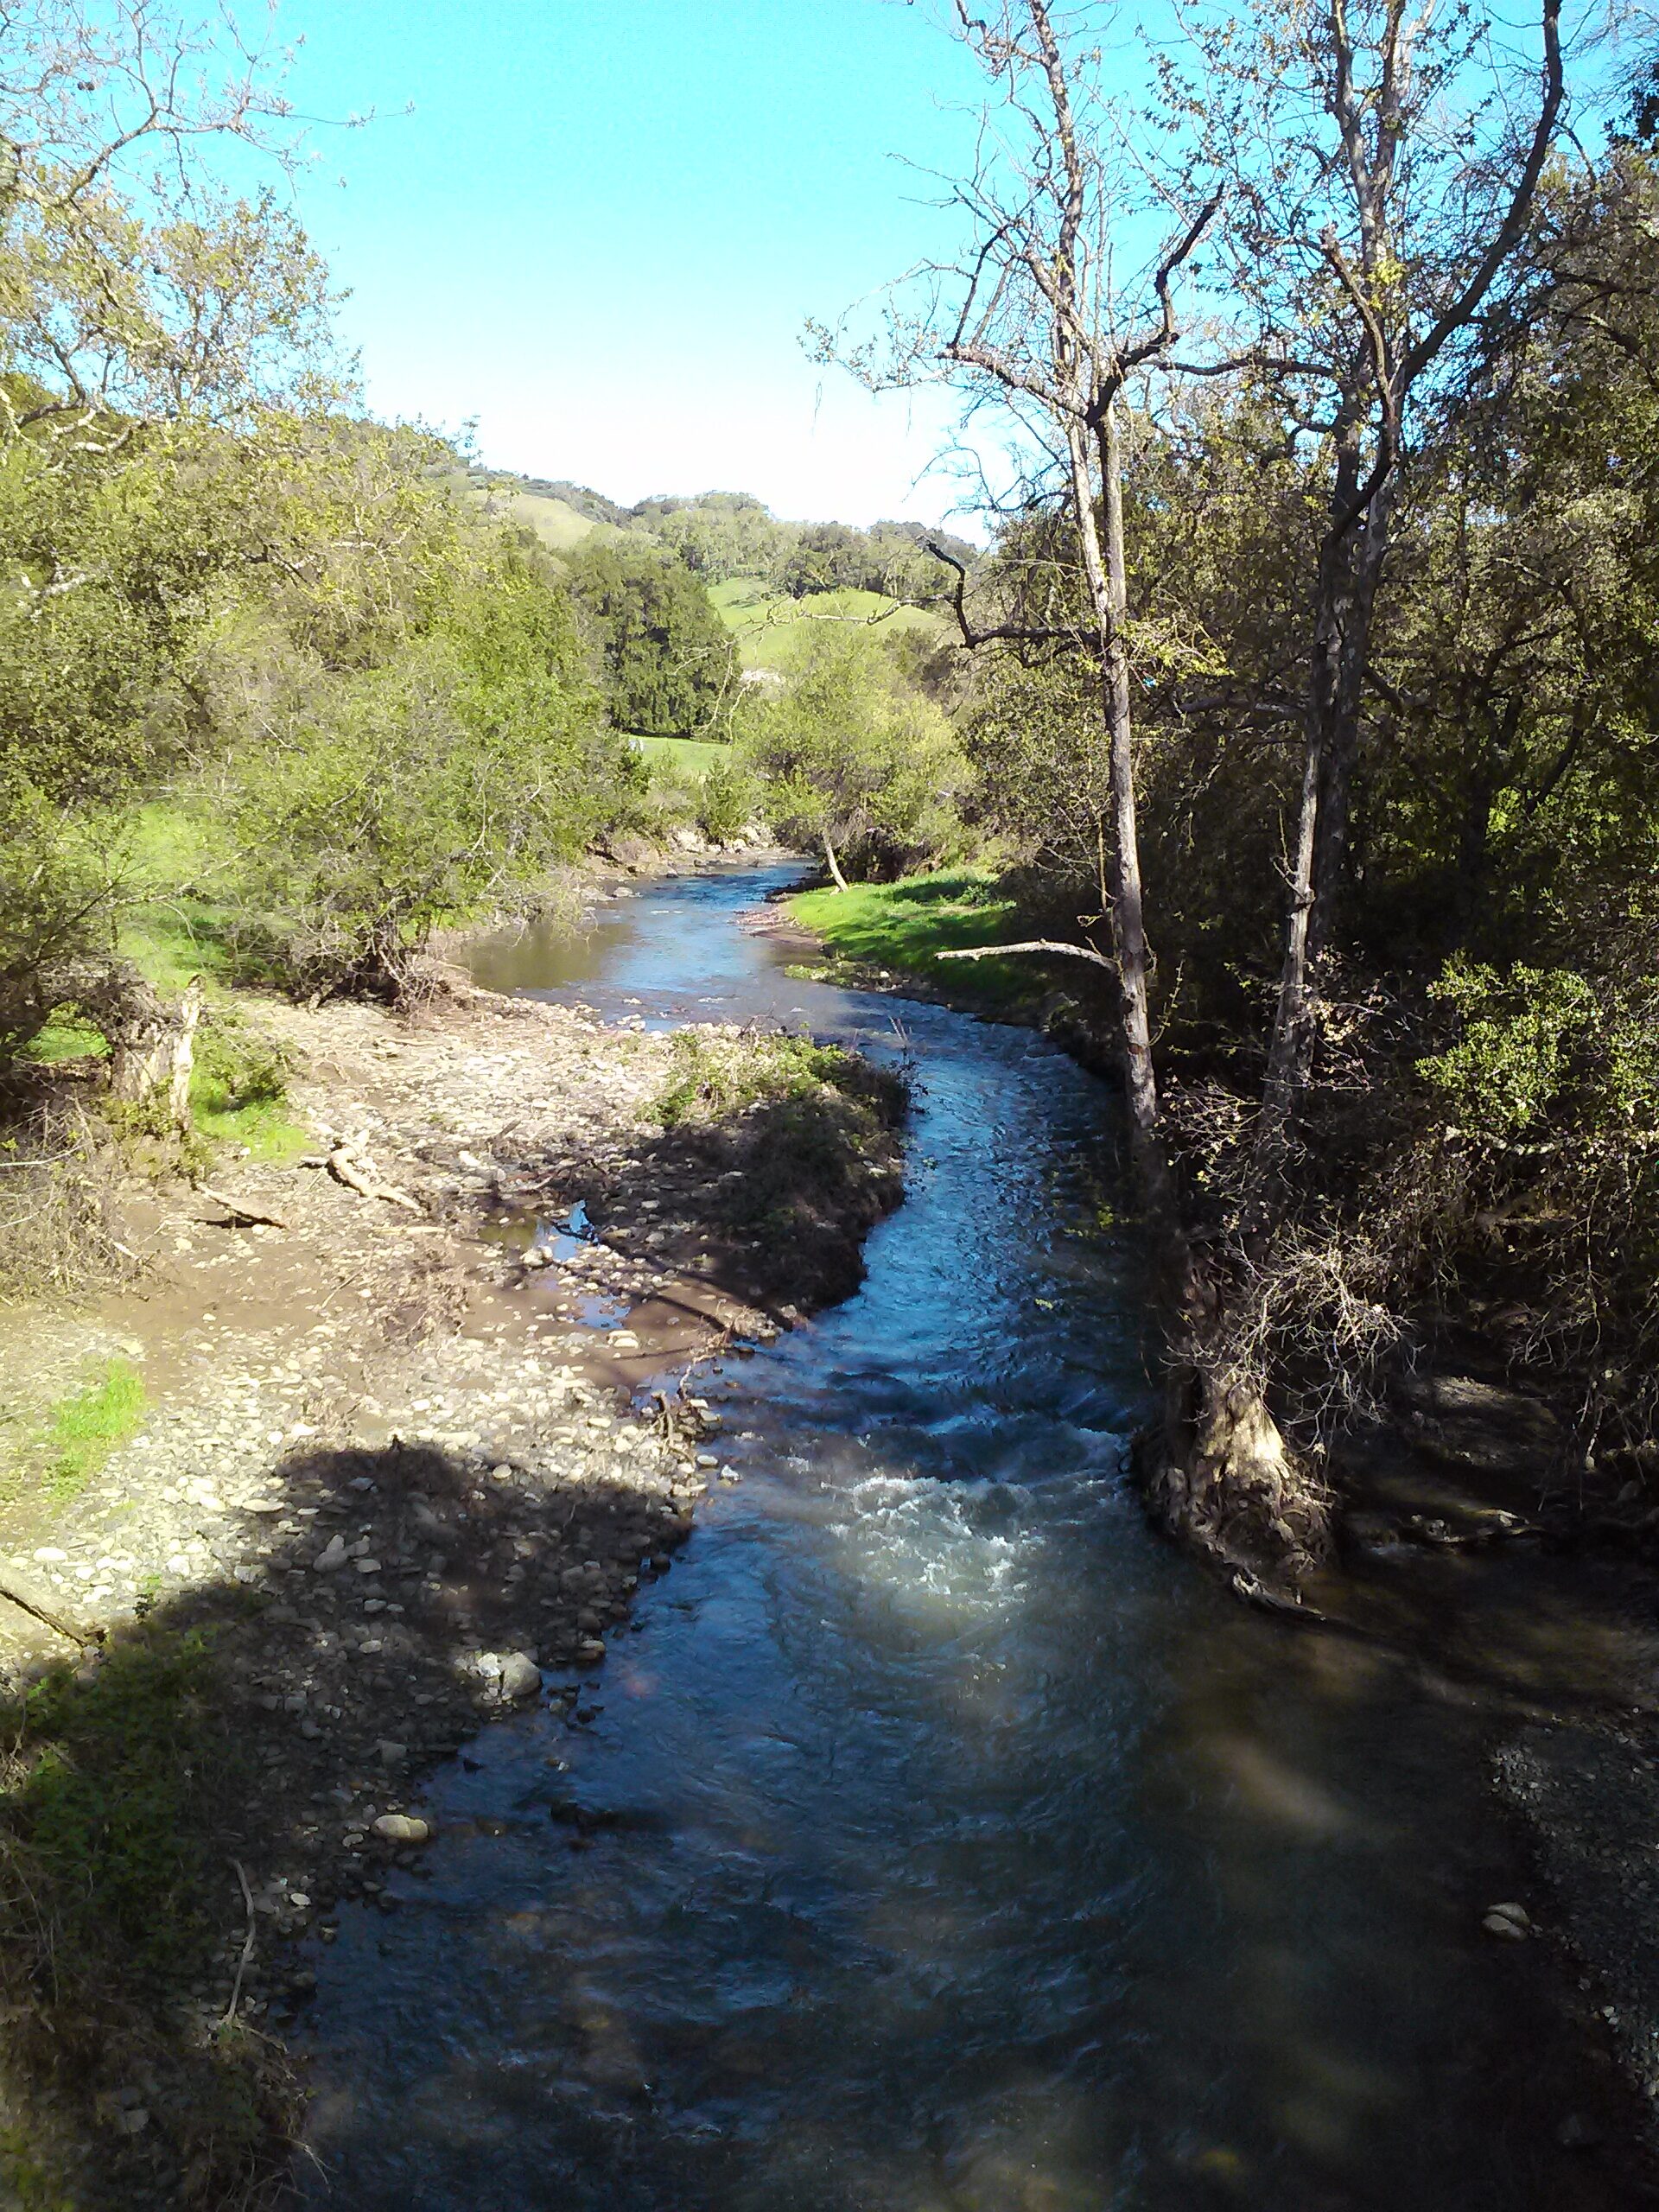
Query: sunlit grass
(65, 1040)
(682, 759)
(175, 924)
(905, 925)
(770, 630)
(82, 1430)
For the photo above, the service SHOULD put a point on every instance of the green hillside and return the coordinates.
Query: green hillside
(554, 521)
(769, 628)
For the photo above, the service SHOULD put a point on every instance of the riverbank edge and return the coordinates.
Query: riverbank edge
(1585, 1791)
(113, 2112)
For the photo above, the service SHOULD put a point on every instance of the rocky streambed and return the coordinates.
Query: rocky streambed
(396, 1473)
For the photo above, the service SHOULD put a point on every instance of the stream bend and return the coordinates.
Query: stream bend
(940, 1841)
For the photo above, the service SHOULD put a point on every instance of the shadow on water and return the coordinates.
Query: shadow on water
(941, 1843)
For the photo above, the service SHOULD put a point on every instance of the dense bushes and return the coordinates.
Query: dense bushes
(667, 660)
(856, 759)
(422, 790)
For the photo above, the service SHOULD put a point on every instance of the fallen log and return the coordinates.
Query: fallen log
(360, 1175)
(32, 1598)
(237, 1210)
(1048, 945)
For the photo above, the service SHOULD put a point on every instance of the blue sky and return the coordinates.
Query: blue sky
(602, 227)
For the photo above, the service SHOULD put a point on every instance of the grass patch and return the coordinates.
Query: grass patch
(905, 925)
(554, 521)
(83, 1430)
(65, 1040)
(238, 1092)
(770, 631)
(789, 1148)
(101, 1815)
(716, 1079)
(176, 925)
(684, 759)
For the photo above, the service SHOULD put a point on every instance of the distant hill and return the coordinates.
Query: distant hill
(770, 629)
(559, 524)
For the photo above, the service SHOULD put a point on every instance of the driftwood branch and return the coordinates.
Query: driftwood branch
(360, 1175)
(239, 1212)
(24, 1592)
(1032, 945)
(246, 1959)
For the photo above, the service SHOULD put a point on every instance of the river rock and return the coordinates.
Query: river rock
(520, 1677)
(1511, 1920)
(403, 1827)
(332, 1555)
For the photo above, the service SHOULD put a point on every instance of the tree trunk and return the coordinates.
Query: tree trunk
(152, 1045)
(1106, 571)
(1341, 754)
(1227, 1482)
(1350, 567)
(835, 865)
(152, 1049)
(1224, 1478)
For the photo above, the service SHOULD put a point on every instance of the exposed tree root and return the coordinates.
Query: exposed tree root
(1226, 1481)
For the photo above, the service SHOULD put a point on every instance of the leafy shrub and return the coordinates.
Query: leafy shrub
(716, 1077)
(853, 757)
(58, 890)
(727, 802)
(422, 791)
(1519, 1032)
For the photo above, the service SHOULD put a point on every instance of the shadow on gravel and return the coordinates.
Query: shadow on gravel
(176, 1804)
(205, 1785)
(785, 1191)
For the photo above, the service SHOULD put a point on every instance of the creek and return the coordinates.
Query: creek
(938, 1840)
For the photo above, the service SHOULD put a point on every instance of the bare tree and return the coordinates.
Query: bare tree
(1040, 316)
(1045, 318)
(1380, 164)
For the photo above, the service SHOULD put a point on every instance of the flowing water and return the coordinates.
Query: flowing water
(948, 1844)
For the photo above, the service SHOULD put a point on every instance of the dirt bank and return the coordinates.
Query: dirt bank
(394, 1473)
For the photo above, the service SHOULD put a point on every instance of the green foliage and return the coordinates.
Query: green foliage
(239, 1091)
(424, 789)
(57, 897)
(715, 1078)
(83, 1429)
(728, 800)
(100, 1831)
(852, 755)
(907, 924)
(725, 536)
(1519, 1032)
(667, 662)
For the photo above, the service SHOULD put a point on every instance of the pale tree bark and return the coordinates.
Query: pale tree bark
(1222, 1475)
(1388, 365)
(152, 1043)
